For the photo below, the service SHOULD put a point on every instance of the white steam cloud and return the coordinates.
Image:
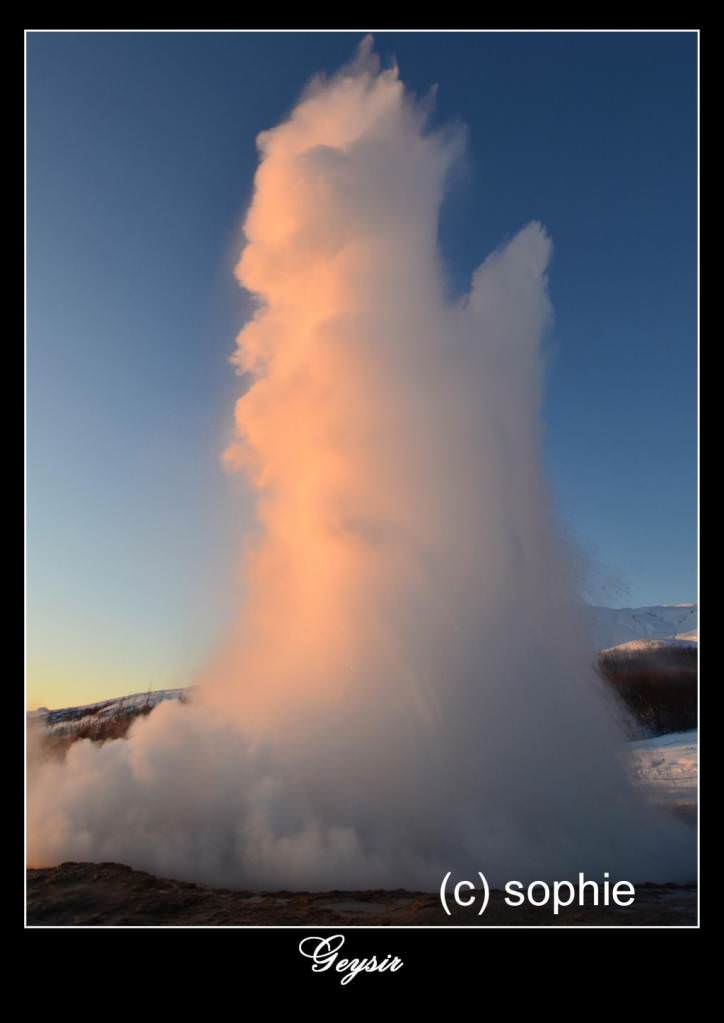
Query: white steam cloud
(409, 688)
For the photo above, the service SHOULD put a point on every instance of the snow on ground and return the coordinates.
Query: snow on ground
(692, 636)
(669, 766)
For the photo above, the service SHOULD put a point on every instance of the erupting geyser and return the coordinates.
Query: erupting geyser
(409, 689)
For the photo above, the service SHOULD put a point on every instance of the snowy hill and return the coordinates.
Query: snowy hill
(613, 626)
(652, 646)
(70, 719)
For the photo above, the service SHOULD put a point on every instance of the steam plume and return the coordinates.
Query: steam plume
(409, 689)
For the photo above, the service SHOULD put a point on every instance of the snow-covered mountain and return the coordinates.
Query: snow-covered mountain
(613, 626)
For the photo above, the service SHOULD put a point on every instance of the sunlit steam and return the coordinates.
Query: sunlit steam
(408, 689)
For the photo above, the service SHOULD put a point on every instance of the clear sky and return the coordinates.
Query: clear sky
(141, 154)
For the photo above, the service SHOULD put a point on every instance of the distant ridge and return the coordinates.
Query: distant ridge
(612, 626)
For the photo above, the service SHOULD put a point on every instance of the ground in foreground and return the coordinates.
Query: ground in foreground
(98, 894)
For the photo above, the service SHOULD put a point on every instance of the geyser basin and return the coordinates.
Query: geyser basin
(409, 687)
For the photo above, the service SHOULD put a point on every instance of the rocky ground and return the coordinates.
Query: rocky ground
(97, 894)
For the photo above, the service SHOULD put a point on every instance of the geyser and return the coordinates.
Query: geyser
(409, 687)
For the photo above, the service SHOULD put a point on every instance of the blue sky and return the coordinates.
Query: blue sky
(141, 155)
